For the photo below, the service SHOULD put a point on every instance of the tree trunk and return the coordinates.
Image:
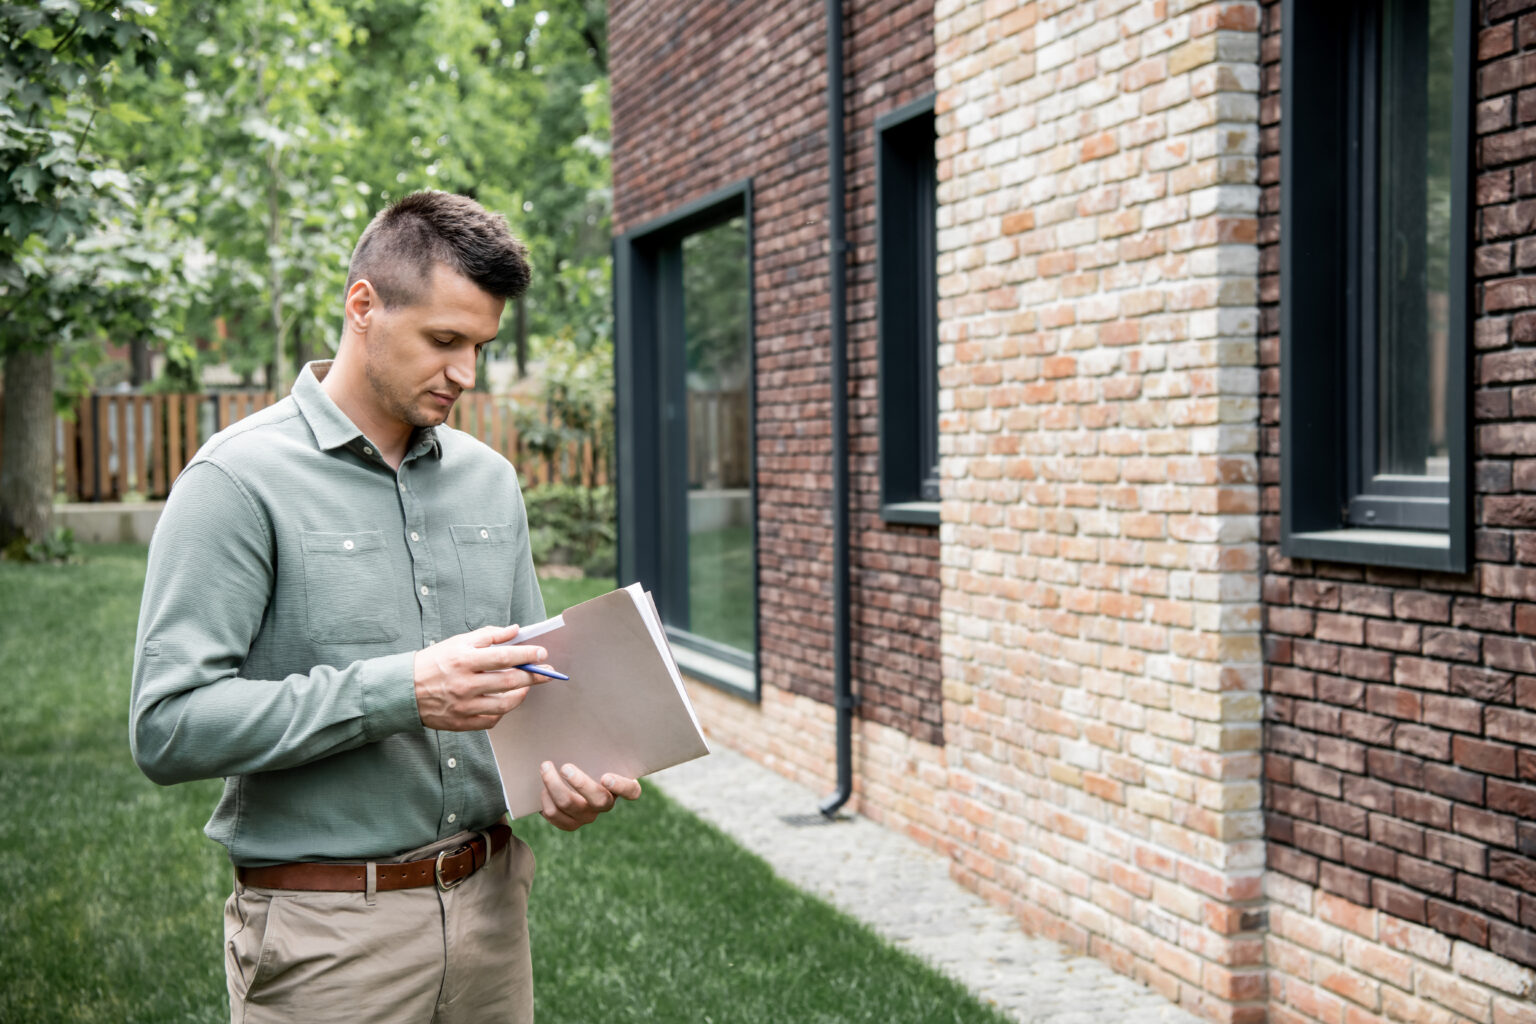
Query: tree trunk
(138, 362)
(26, 465)
(520, 333)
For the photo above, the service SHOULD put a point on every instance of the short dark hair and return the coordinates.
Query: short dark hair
(399, 246)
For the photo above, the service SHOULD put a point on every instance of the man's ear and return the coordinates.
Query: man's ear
(361, 303)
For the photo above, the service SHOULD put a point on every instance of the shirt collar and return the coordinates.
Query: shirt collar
(332, 428)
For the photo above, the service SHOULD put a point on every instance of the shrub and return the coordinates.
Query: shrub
(569, 525)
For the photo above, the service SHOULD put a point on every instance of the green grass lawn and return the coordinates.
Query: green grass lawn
(112, 894)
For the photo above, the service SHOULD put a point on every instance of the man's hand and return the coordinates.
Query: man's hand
(462, 684)
(571, 799)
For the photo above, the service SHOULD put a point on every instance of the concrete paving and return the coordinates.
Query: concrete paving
(904, 892)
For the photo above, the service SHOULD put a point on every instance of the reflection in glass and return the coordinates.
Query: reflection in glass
(1414, 237)
(716, 312)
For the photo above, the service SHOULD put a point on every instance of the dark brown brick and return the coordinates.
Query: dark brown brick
(1512, 869)
(1361, 663)
(1344, 693)
(1482, 685)
(1498, 900)
(1295, 621)
(1498, 829)
(1423, 808)
(1512, 798)
(1455, 713)
(1367, 728)
(1517, 944)
(1434, 744)
(1322, 842)
(1483, 756)
(1396, 768)
(1454, 644)
(1292, 862)
(1394, 702)
(1462, 924)
(1397, 900)
(1475, 613)
(1364, 600)
(1368, 793)
(1319, 779)
(1394, 636)
(1342, 754)
(1422, 674)
(1369, 856)
(1462, 854)
(1341, 881)
(1509, 724)
(1426, 877)
(1510, 653)
(1399, 835)
(1323, 594)
(1343, 817)
(1452, 783)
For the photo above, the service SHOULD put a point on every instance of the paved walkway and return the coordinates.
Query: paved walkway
(905, 893)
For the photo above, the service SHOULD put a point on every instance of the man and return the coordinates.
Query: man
(325, 590)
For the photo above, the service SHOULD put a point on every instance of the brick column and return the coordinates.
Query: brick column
(1098, 208)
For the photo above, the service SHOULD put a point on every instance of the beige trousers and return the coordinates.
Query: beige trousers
(409, 955)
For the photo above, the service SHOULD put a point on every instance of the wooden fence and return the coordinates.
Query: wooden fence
(126, 444)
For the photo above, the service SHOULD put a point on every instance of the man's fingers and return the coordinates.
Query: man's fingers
(501, 658)
(487, 635)
(621, 785)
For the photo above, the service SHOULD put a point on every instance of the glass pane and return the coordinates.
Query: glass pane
(1414, 237)
(720, 516)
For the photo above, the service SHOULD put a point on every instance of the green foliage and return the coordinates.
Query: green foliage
(80, 254)
(293, 121)
(59, 547)
(569, 525)
(575, 401)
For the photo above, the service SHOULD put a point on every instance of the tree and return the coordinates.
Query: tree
(59, 62)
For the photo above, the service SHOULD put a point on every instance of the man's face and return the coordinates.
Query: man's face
(418, 358)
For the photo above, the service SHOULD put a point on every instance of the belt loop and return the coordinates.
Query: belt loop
(371, 897)
(486, 835)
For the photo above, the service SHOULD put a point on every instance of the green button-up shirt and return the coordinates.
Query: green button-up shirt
(292, 578)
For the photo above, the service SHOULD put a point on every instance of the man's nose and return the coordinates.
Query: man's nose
(461, 371)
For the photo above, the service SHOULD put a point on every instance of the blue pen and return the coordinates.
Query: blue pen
(536, 670)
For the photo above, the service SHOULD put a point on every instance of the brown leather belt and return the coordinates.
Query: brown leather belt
(447, 870)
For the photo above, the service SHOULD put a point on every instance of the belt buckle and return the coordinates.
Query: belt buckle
(437, 871)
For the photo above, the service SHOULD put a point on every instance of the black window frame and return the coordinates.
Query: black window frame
(1334, 506)
(906, 289)
(651, 457)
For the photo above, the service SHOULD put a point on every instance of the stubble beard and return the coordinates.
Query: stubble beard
(399, 403)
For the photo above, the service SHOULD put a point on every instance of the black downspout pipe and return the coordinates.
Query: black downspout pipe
(837, 287)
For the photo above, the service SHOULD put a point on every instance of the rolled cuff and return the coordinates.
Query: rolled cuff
(388, 687)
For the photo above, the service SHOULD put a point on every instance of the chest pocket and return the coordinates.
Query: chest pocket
(347, 588)
(488, 562)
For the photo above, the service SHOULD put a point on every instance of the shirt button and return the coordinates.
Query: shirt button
(402, 485)
(485, 533)
(415, 535)
(367, 450)
(348, 545)
(452, 818)
(425, 591)
(453, 762)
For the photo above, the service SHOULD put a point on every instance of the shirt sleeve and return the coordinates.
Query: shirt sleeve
(192, 714)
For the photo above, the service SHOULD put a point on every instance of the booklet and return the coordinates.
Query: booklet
(623, 710)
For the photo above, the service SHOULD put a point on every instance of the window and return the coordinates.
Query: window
(907, 297)
(1375, 198)
(687, 516)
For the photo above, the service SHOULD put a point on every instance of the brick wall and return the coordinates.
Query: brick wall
(1098, 222)
(706, 94)
(1399, 712)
